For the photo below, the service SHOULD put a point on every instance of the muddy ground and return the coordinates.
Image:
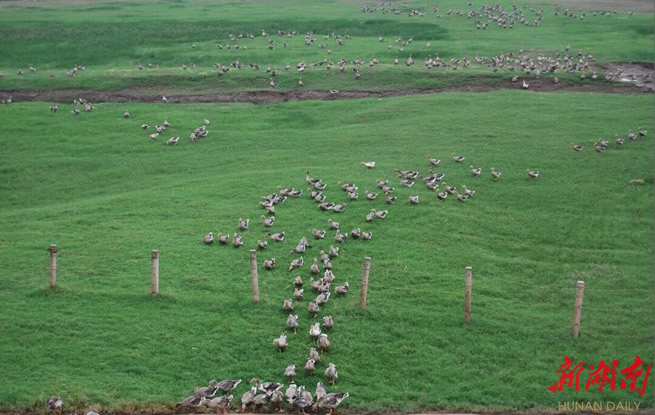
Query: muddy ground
(628, 78)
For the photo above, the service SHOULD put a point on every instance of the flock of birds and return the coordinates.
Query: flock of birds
(602, 145)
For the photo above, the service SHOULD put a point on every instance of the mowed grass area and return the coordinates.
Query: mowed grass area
(112, 38)
(100, 189)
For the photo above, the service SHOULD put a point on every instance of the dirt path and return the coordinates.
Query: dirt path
(272, 96)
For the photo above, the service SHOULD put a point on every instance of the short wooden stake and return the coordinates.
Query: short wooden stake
(254, 281)
(467, 294)
(53, 266)
(367, 270)
(154, 273)
(577, 313)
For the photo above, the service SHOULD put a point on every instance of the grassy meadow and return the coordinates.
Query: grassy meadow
(111, 38)
(106, 194)
(97, 186)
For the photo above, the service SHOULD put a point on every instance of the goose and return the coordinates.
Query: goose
(406, 182)
(333, 252)
(533, 173)
(525, 85)
(160, 128)
(381, 183)
(320, 392)
(475, 171)
(281, 343)
(154, 136)
(191, 401)
(370, 216)
(300, 82)
(248, 397)
(367, 236)
(356, 233)
(55, 402)
(243, 224)
(314, 269)
(297, 282)
(269, 264)
(291, 392)
(632, 136)
(228, 385)
(277, 237)
(54, 108)
(328, 277)
(324, 256)
(287, 305)
(272, 84)
(353, 196)
(442, 195)
(340, 237)
(460, 198)
(390, 200)
(209, 238)
(381, 214)
(331, 373)
(261, 399)
(339, 208)
(315, 330)
(495, 175)
(268, 222)
(457, 158)
(576, 147)
(207, 122)
(166, 124)
(319, 185)
(290, 373)
(323, 343)
(313, 308)
(268, 387)
(327, 264)
(328, 322)
(368, 164)
(173, 140)
(222, 402)
(407, 174)
(276, 400)
(556, 80)
(298, 293)
(223, 239)
(468, 192)
(261, 245)
(310, 366)
(325, 206)
(333, 224)
(599, 148)
(237, 241)
(413, 200)
(370, 196)
(296, 263)
(76, 111)
(330, 401)
(301, 403)
(604, 143)
(314, 355)
(432, 185)
(318, 233)
(433, 161)
(342, 289)
(515, 79)
(292, 322)
(322, 298)
(126, 114)
(642, 133)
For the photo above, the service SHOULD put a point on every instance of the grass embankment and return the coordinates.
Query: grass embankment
(112, 38)
(106, 194)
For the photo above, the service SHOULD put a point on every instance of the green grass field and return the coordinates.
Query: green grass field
(97, 186)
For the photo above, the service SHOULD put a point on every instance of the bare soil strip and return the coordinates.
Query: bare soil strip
(273, 96)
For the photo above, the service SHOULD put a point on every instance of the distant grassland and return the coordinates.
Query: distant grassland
(97, 186)
(111, 38)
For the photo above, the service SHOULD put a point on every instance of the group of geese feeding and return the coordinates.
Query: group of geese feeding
(602, 145)
(262, 394)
